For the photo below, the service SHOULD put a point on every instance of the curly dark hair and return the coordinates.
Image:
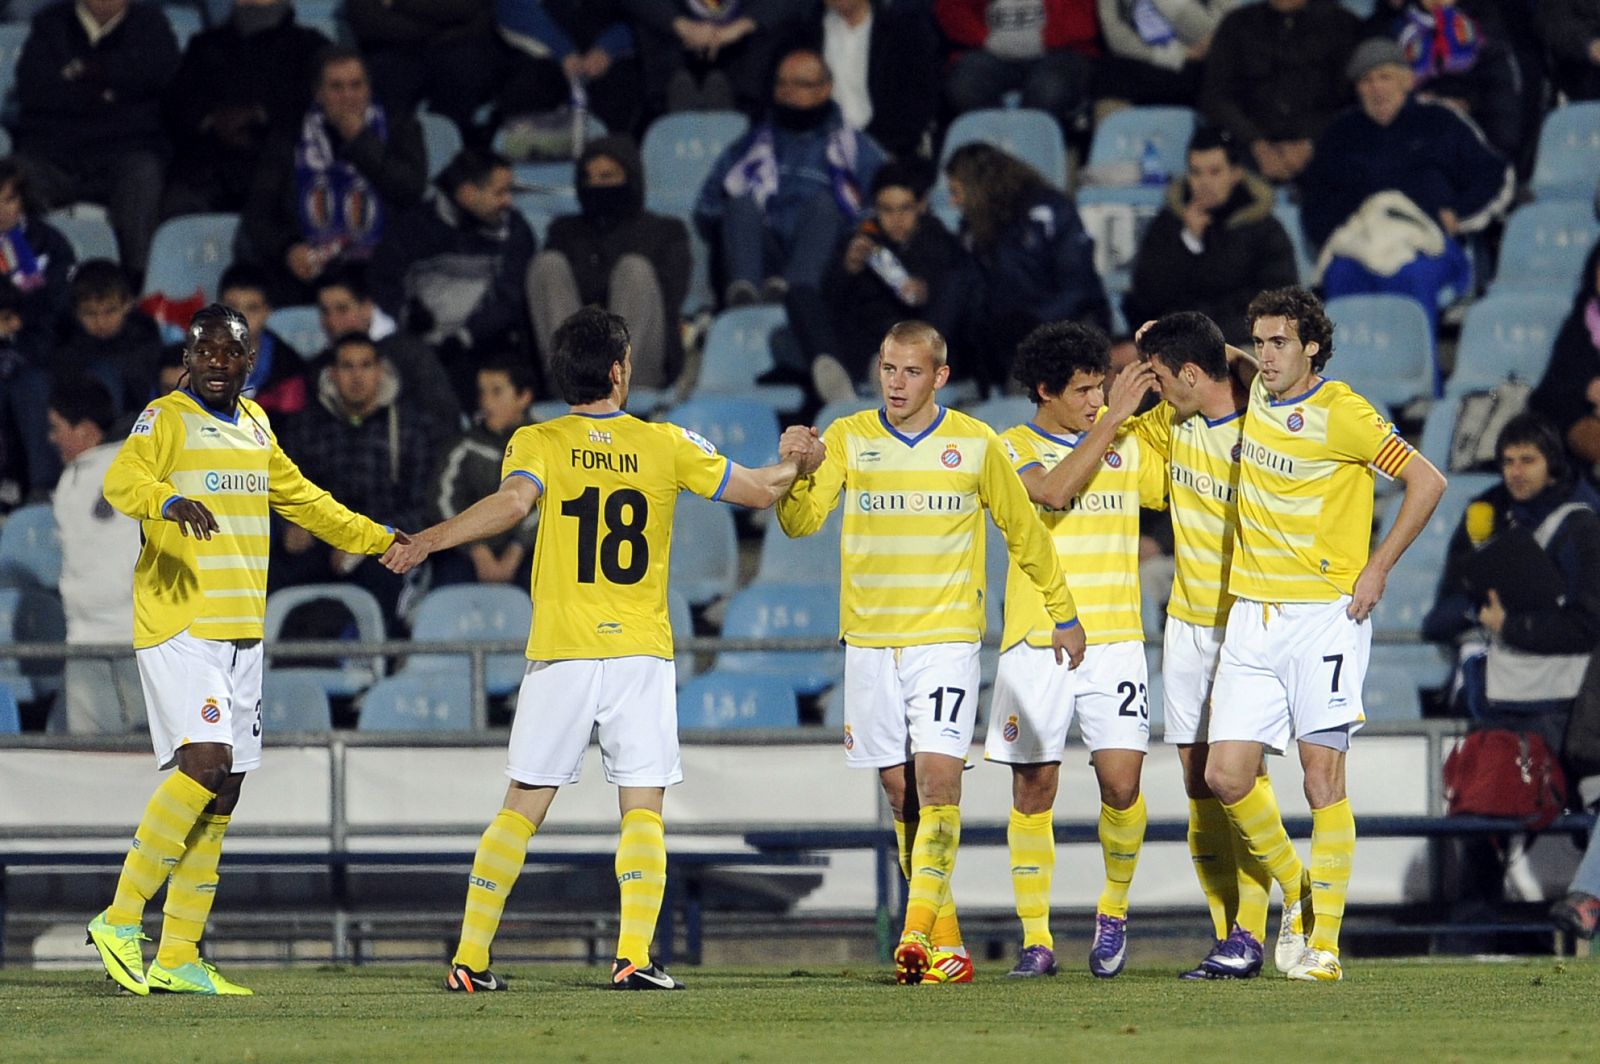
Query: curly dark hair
(1051, 355)
(1297, 304)
(996, 186)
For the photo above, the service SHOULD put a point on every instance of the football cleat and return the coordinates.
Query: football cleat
(625, 975)
(1109, 953)
(912, 958)
(119, 952)
(1577, 914)
(463, 980)
(195, 978)
(1239, 956)
(1294, 929)
(1316, 966)
(948, 967)
(1035, 961)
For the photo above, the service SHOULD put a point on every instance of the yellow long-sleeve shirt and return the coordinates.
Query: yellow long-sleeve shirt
(216, 588)
(912, 544)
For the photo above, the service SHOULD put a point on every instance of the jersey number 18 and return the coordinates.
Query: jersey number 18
(626, 511)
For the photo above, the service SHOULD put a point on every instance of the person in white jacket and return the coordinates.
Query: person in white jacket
(98, 549)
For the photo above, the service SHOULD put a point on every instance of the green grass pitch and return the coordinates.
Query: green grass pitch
(1385, 1011)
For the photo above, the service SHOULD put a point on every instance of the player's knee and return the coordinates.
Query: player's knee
(1324, 786)
(1119, 794)
(1228, 786)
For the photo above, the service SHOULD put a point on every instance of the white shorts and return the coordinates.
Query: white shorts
(632, 700)
(203, 691)
(902, 701)
(1189, 656)
(1035, 700)
(1289, 670)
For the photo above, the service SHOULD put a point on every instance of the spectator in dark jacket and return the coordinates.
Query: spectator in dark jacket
(1275, 77)
(442, 52)
(1041, 49)
(327, 191)
(1155, 50)
(1569, 394)
(108, 337)
(558, 45)
(1214, 245)
(239, 83)
(452, 269)
(89, 86)
(1032, 261)
(618, 255)
(36, 257)
(1571, 30)
(710, 57)
(898, 264)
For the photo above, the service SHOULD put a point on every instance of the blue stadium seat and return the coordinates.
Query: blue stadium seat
(30, 548)
(426, 702)
(11, 718)
(441, 140)
(1435, 537)
(844, 408)
(1507, 336)
(301, 327)
(12, 37)
(30, 615)
(682, 620)
(805, 560)
(724, 701)
(185, 22)
(1121, 139)
(353, 674)
(1154, 688)
(1544, 246)
(1394, 673)
(1288, 215)
(1568, 156)
(678, 153)
(700, 295)
(739, 349)
(772, 611)
(294, 700)
(996, 565)
(1030, 135)
(1004, 413)
(746, 430)
(190, 252)
(705, 549)
(1415, 578)
(88, 231)
(1383, 347)
(475, 613)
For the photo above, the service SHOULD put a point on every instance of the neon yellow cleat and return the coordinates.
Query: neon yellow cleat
(201, 978)
(1316, 966)
(948, 967)
(912, 958)
(119, 952)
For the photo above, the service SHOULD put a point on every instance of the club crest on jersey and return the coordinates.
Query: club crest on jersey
(699, 441)
(1238, 449)
(261, 437)
(951, 458)
(1296, 421)
(1009, 730)
(1011, 452)
(211, 713)
(1113, 459)
(146, 423)
(599, 436)
(849, 738)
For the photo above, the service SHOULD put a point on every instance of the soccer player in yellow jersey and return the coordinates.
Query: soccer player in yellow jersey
(1295, 651)
(1196, 430)
(1088, 479)
(915, 478)
(600, 651)
(200, 470)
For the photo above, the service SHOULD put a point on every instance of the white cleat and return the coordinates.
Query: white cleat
(1292, 930)
(1316, 966)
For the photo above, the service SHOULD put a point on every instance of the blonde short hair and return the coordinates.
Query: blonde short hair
(920, 334)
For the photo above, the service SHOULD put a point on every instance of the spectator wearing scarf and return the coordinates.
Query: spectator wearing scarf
(780, 198)
(1454, 61)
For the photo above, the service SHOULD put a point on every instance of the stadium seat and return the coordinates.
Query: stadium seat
(1507, 336)
(812, 559)
(1288, 215)
(1121, 139)
(474, 613)
(426, 702)
(185, 22)
(12, 37)
(190, 252)
(682, 619)
(1030, 135)
(746, 430)
(1153, 689)
(1544, 246)
(1004, 413)
(294, 700)
(30, 615)
(30, 549)
(301, 327)
(1383, 347)
(705, 549)
(353, 674)
(10, 717)
(89, 233)
(771, 611)
(843, 408)
(1394, 673)
(441, 140)
(739, 349)
(678, 153)
(1568, 156)
(996, 565)
(724, 701)
(1461, 489)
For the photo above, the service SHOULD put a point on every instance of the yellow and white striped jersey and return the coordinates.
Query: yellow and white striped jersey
(912, 544)
(1202, 458)
(1305, 492)
(1096, 538)
(216, 588)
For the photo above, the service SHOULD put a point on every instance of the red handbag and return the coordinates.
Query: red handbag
(1496, 772)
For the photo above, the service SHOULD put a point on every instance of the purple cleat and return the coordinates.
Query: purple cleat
(1239, 956)
(1109, 953)
(1035, 961)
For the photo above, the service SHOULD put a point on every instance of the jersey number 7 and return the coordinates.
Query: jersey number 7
(626, 512)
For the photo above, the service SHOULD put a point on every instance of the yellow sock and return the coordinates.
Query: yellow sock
(1254, 881)
(157, 845)
(642, 878)
(495, 868)
(1333, 846)
(1211, 849)
(933, 859)
(1032, 839)
(1121, 836)
(1259, 823)
(902, 840)
(946, 933)
(190, 893)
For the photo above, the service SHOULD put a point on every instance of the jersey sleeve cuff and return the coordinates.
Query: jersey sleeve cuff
(168, 503)
(1062, 626)
(1029, 465)
(524, 473)
(727, 472)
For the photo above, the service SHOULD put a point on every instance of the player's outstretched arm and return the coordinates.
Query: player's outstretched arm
(1424, 486)
(1057, 488)
(487, 517)
(762, 487)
